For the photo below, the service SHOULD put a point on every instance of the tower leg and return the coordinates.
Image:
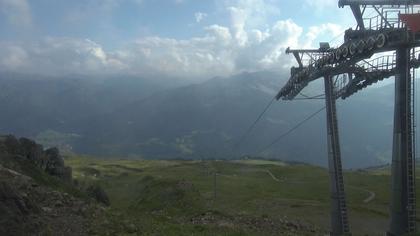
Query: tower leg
(403, 187)
(339, 218)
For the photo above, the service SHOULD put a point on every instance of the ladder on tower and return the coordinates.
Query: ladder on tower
(411, 159)
(337, 168)
(340, 181)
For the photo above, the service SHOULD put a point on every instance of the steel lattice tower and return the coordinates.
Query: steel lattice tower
(393, 34)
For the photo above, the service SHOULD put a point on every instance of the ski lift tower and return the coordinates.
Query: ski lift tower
(381, 46)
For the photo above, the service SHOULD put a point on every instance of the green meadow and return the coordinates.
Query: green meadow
(249, 197)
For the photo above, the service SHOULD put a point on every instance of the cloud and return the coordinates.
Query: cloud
(199, 16)
(218, 53)
(328, 32)
(12, 57)
(57, 56)
(222, 50)
(17, 12)
(221, 34)
(256, 12)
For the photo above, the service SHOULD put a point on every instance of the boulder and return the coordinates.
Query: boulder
(54, 163)
(97, 192)
(11, 145)
(33, 152)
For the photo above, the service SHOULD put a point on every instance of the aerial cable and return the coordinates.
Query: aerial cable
(290, 131)
(311, 98)
(314, 96)
(337, 36)
(243, 137)
(306, 97)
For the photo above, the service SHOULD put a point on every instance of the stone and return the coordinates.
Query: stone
(54, 163)
(32, 151)
(12, 145)
(131, 228)
(96, 192)
(25, 149)
(11, 198)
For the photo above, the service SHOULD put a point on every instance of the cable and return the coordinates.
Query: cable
(303, 95)
(313, 98)
(337, 36)
(253, 124)
(290, 131)
(306, 97)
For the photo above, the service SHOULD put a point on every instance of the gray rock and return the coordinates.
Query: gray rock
(10, 197)
(96, 192)
(27, 150)
(33, 152)
(12, 145)
(54, 163)
(131, 228)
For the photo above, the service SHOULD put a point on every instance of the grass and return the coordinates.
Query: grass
(161, 197)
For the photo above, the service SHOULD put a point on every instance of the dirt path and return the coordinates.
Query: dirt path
(372, 196)
(272, 176)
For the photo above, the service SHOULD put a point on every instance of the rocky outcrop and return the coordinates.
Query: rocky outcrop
(54, 165)
(38, 196)
(27, 208)
(48, 160)
(32, 151)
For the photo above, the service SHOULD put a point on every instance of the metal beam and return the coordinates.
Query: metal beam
(299, 53)
(288, 50)
(358, 15)
(361, 81)
(384, 18)
(395, 38)
(342, 3)
(339, 218)
(298, 59)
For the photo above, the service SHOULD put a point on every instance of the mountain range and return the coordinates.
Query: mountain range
(130, 117)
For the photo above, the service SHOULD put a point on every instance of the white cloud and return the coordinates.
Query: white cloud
(18, 12)
(221, 34)
(328, 32)
(256, 12)
(218, 53)
(199, 16)
(59, 56)
(222, 51)
(13, 57)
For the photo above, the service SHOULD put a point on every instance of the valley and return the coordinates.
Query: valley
(144, 118)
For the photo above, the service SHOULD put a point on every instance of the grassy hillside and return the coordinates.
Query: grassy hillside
(252, 197)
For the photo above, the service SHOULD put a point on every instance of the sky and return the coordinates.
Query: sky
(194, 39)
